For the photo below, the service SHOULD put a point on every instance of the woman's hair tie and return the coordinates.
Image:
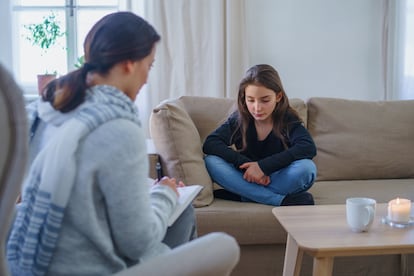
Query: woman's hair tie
(87, 67)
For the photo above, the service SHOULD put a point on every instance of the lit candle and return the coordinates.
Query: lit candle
(399, 210)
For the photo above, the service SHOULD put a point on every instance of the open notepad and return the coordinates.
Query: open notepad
(187, 195)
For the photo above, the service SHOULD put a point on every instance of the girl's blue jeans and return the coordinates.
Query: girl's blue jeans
(295, 178)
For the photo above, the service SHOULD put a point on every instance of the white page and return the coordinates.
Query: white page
(187, 195)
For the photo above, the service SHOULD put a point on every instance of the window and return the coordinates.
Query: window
(75, 17)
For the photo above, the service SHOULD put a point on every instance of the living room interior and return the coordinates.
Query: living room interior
(352, 50)
(338, 60)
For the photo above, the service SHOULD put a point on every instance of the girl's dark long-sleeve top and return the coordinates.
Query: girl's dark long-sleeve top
(270, 153)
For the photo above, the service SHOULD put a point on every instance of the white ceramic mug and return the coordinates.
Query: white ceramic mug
(360, 213)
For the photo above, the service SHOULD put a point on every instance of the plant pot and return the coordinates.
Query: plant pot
(43, 80)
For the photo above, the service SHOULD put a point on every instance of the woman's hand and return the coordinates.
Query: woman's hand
(172, 183)
(253, 173)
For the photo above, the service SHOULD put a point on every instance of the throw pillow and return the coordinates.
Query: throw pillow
(362, 139)
(178, 143)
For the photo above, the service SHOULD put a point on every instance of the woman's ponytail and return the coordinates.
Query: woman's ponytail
(68, 91)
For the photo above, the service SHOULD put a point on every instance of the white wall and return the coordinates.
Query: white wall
(324, 48)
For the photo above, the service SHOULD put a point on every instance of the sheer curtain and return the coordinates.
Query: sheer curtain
(203, 50)
(407, 91)
(399, 49)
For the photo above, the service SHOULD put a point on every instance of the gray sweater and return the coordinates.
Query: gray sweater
(112, 220)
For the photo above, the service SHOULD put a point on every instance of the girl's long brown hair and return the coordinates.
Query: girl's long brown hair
(116, 37)
(264, 75)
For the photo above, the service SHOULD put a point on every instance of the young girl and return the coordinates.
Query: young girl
(86, 207)
(262, 153)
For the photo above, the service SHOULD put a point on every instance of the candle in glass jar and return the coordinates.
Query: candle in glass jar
(399, 210)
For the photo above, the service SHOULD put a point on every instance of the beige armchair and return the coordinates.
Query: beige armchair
(212, 254)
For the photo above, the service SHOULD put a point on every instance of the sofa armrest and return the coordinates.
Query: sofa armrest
(153, 158)
(213, 254)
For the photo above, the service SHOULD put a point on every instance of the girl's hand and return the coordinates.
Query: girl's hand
(253, 173)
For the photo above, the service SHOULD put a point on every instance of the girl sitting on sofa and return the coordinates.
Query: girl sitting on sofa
(262, 152)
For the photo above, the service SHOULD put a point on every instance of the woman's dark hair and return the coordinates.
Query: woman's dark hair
(116, 37)
(264, 75)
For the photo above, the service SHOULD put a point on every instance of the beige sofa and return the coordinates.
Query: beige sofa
(364, 149)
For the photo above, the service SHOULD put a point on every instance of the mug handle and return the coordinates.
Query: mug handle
(370, 217)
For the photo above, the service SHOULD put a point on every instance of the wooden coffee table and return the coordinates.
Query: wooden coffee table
(322, 232)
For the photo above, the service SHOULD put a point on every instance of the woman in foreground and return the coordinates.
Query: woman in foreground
(86, 206)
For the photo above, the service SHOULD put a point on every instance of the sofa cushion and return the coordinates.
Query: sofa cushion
(178, 143)
(362, 139)
(249, 223)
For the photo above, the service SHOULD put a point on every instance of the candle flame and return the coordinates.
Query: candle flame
(398, 200)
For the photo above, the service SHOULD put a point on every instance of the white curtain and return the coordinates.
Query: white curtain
(203, 50)
(398, 34)
(407, 91)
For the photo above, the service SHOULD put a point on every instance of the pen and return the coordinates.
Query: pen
(159, 170)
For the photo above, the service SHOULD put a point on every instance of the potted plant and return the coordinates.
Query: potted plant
(80, 61)
(45, 35)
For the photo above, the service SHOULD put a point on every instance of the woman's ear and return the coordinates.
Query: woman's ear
(128, 66)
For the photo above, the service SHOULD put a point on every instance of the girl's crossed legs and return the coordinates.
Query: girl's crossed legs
(295, 178)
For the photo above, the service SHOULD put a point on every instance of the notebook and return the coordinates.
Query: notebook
(186, 197)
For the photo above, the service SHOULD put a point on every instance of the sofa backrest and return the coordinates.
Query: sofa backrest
(179, 127)
(362, 139)
(207, 112)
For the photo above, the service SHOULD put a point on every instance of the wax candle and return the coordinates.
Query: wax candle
(399, 210)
